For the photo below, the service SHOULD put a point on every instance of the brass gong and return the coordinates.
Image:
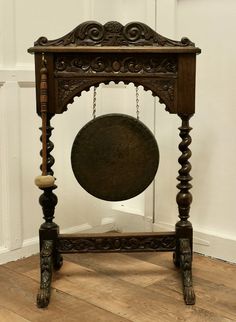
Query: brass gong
(115, 157)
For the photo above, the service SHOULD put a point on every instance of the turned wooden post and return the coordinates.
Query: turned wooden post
(184, 230)
(184, 196)
(49, 231)
(48, 200)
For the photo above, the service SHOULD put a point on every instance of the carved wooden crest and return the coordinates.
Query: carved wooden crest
(94, 53)
(113, 33)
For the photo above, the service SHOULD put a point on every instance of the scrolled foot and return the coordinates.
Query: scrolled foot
(43, 298)
(46, 264)
(186, 268)
(189, 295)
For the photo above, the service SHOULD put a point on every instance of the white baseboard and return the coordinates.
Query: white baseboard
(31, 246)
(205, 242)
(130, 220)
(208, 243)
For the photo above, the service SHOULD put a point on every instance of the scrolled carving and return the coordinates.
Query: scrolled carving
(134, 31)
(93, 31)
(87, 64)
(113, 34)
(163, 88)
(61, 64)
(186, 267)
(114, 244)
(42, 41)
(132, 65)
(98, 64)
(186, 42)
(46, 265)
(71, 71)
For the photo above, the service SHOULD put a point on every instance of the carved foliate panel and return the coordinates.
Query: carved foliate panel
(77, 72)
(164, 88)
(67, 65)
(116, 244)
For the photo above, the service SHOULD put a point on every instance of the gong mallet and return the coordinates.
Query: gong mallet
(45, 180)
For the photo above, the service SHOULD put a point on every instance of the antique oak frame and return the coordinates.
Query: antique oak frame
(87, 56)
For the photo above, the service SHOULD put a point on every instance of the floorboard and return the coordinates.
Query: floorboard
(140, 287)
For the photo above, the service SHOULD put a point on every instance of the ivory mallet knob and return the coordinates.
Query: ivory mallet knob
(44, 181)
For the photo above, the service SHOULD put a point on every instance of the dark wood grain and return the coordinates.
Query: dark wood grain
(186, 84)
(117, 242)
(113, 33)
(79, 290)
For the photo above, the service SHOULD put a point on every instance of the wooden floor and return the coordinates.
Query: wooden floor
(119, 287)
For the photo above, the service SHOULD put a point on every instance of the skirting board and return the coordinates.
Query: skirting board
(208, 243)
(205, 243)
(31, 246)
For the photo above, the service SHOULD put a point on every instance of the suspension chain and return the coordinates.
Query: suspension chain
(137, 102)
(94, 101)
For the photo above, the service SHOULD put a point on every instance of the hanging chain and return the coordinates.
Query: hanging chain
(94, 101)
(137, 103)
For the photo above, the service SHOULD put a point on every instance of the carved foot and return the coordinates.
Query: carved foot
(58, 262)
(43, 298)
(186, 267)
(46, 264)
(189, 295)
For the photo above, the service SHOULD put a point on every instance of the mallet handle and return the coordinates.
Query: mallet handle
(43, 106)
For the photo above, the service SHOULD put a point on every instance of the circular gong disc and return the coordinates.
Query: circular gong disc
(114, 157)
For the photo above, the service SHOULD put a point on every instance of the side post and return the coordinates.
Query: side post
(184, 230)
(48, 232)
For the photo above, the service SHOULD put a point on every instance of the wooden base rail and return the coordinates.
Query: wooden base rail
(50, 256)
(117, 242)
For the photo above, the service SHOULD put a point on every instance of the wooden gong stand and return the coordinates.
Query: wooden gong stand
(87, 56)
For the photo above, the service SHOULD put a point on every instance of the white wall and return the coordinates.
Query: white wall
(210, 24)
(23, 22)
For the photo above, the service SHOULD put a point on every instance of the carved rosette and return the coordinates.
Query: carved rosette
(91, 33)
(114, 244)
